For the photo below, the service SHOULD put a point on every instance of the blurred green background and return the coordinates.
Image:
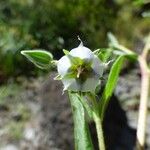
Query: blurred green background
(54, 25)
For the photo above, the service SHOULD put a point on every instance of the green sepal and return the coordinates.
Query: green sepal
(96, 52)
(105, 54)
(75, 60)
(66, 52)
(58, 77)
(70, 75)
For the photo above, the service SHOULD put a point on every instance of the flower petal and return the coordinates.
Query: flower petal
(63, 65)
(75, 84)
(82, 52)
(90, 85)
(71, 84)
(97, 66)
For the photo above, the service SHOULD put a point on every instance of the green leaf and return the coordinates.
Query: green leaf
(118, 52)
(113, 43)
(40, 58)
(113, 77)
(66, 52)
(111, 83)
(112, 40)
(81, 131)
(131, 56)
(105, 54)
(96, 52)
(86, 105)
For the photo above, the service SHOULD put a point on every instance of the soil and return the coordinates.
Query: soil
(42, 113)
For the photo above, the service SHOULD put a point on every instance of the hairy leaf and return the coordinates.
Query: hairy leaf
(40, 58)
(81, 130)
(111, 83)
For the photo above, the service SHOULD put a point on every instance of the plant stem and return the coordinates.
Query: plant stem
(145, 84)
(143, 112)
(99, 130)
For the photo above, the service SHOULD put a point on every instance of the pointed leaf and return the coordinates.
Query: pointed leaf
(66, 52)
(112, 40)
(113, 77)
(113, 43)
(86, 105)
(81, 130)
(96, 52)
(105, 54)
(40, 58)
(111, 83)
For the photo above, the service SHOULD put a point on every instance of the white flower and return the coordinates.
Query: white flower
(80, 70)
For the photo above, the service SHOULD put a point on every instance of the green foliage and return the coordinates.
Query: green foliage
(81, 130)
(53, 25)
(40, 58)
(113, 76)
(66, 52)
(120, 49)
(48, 26)
(105, 54)
(113, 42)
(111, 83)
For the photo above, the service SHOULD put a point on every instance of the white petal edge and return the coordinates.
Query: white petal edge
(82, 52)
(63, 65)
(90, 85)
(97, 66)
(71, 84)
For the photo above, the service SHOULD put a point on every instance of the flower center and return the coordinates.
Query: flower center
(83, 72)
(79, 71)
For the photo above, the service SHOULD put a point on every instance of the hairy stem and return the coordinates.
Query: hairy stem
(145, 85)
(142, 112)
(99, 130)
